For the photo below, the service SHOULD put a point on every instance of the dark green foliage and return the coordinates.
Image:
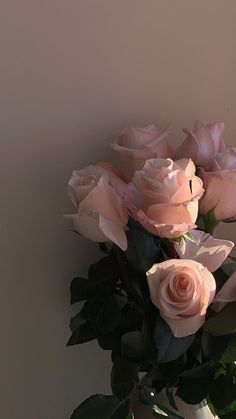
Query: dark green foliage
(137, 344)
(144, 249)
(194, 384)
(222, 323)
(210, 221)
(84, 333)
(118, 313)
(169, 347)
(102, 407)
(101, 276)
(109, 315)
(222, 393)
(124, 375)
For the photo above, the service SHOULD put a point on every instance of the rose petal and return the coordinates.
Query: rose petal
(207, 250)
(227, 293)
(113, 232)
(220, 194)
(88, 226)
(103, 200)
(185, 328)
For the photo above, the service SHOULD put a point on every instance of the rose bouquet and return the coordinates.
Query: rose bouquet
(163, 297)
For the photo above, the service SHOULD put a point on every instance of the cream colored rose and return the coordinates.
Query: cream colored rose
(182, 290)
(97, 195)
(164, 196)
(136, 145)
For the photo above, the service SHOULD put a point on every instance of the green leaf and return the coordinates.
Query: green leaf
(194, 384)
(200, 223)
(213, 346)
(123, 412)
(193, 390)
(110, 315)
(204, 371)
(169, 347)
(189, 237)
(149, 397)
(210, 221)
(223, 394)
(80, 290)
(124, 375)
(101, 274)
(171, 397)
(97, 406)
(176, 240)
(229, 354)
(76, 322)
(233, 258)
(105, 269)
(84, 333)
(223, 323)
(137, 344)
(92, 307)
(143, 249)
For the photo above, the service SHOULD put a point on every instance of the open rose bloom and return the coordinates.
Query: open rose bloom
(163, 297)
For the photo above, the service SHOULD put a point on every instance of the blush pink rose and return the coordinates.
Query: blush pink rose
(163, 197)
(220, 186)
(205, 249)
(136, 145)
(97, 195)
(202, 142)
(182, 290)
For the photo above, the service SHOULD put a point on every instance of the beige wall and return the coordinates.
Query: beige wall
(72, 73)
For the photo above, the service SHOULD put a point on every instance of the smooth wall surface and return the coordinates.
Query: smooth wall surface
(72, 73)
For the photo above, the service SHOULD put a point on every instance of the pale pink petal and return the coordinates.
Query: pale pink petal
(197, 187)
(136, 145)
(113, 232)
(187, 166)
(227, 293)
(172, 213)
(185, 326)
(189, 148)
(103, 200)
(207, 250)
(216, 130)
(87, 225)
(161, 229)
(205, 142)
(133, 153)
(220, 194)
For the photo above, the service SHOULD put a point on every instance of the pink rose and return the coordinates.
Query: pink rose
(136, 145)
(220, 186)
(182, 290)
(98, 196)
(201, 143)
(205, 249)
(164, 196)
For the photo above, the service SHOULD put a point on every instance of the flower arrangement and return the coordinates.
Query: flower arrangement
(163, 297)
